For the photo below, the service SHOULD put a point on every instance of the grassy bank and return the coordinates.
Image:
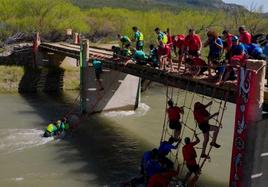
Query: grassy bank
(10, 77)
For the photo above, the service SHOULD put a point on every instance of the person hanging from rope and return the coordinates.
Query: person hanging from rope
(98, 70)
(164, 149)
(138, 38)
(202, 117)
(189, 156)
(174, 116)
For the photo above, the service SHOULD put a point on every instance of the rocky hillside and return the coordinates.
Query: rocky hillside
(149, 4)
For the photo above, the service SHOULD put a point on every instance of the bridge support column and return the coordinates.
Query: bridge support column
(84, 71)
(248, 112)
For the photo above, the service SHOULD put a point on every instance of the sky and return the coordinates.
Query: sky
(249, 3)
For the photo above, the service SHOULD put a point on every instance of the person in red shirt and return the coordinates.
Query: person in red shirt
(227, 43)
(163, 179)
(189, 156)
(178, 42)
(169, 37)
(245, 36)
(193, 43)
(202, 117)
(174, 116)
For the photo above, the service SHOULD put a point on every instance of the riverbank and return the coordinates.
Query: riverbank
(10, 77)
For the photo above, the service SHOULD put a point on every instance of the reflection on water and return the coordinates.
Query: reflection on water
(105, 150)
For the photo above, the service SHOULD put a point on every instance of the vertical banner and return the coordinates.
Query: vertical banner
(245, 99)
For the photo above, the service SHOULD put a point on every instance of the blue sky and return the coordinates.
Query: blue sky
(248, 3)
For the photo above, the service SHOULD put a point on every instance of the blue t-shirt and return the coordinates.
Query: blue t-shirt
(165, 148)
(265, 50)
(97, 64)
(238, 49)
(213, 49)
(254, 49)
(154, 55)
(152, 167)
(139, 55)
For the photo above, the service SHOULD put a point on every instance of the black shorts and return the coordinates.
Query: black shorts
(204, 127)
(97, 73)
(193, 168)
(175, 125)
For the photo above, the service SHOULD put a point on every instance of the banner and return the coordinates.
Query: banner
(245, 99)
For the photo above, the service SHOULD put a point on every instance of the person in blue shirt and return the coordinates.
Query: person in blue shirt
(255, 51)
(215, 49)
(97, 65)
(166, 147)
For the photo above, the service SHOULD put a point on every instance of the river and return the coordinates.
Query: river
(105, 150)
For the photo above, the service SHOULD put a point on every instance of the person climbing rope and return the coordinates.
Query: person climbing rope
(138, 38)
(166, 146)
(202, 117)
(174, 116)
(189, 156)
(98, 70)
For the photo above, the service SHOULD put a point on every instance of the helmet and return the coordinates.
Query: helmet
(234, 39)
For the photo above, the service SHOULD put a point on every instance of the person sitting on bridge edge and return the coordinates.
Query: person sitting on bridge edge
(124, 40)
(97, 65)
(138, 38)
(189, 156)
(202, 117)
(174, 116)
(51, 130)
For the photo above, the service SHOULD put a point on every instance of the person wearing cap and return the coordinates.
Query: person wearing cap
(245, 36)
(178, 43)
(174, 116)
(193, 43)
(202, 117)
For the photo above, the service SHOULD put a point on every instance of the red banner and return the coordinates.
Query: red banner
(245, 99)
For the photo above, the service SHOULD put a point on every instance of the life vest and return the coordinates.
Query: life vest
(141, 38)
(51, 128)
(163, 37)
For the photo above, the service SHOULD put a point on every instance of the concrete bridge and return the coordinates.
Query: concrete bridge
(198, 84)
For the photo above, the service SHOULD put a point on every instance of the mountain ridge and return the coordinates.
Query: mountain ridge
(158, 4)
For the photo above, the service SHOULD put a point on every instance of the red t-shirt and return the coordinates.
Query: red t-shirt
(245, 38)
(189, 154)
(200, 114)
(179, 41)
(193, 42)
(161, 179)
(164, 51)
(174, 113)
(169, 37)
(228, 43)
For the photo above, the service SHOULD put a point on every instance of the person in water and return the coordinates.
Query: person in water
(51, 130)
